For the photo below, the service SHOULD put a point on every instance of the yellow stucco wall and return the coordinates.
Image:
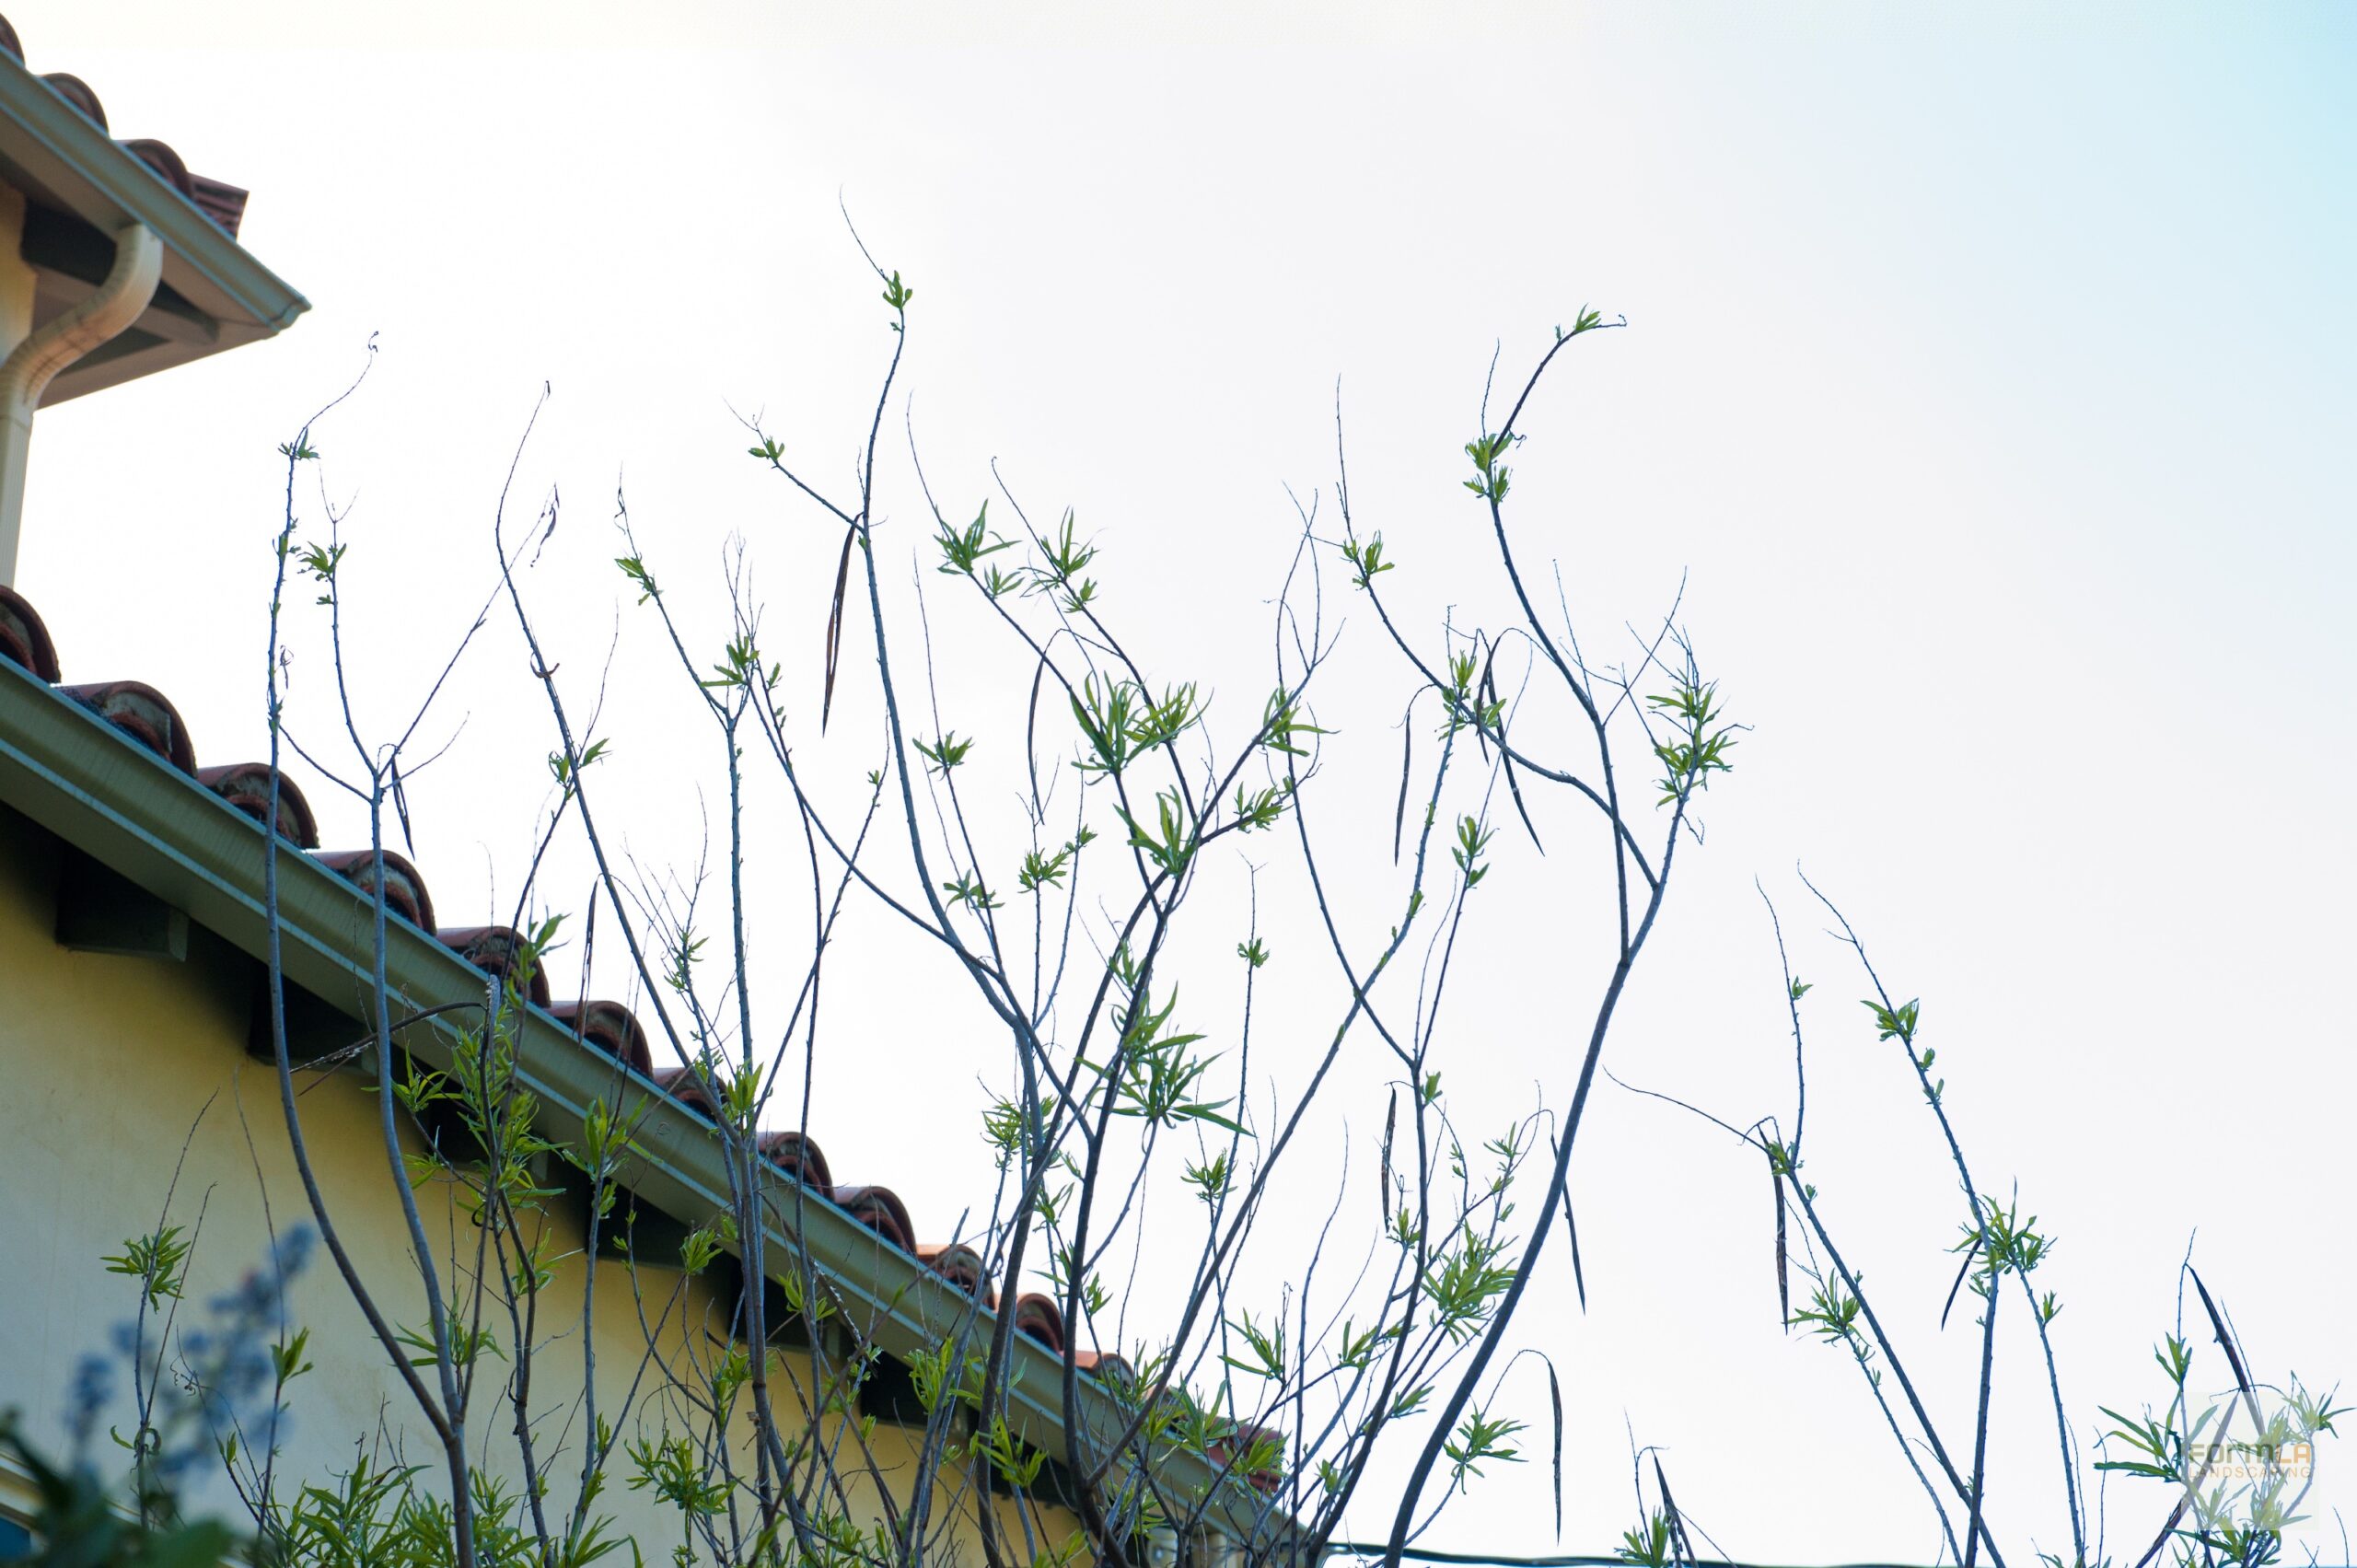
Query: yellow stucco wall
(110, 1066)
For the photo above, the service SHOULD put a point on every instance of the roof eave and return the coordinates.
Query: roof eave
(74, 160)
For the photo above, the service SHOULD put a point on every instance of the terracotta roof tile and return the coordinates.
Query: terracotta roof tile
(144, 714)
(799, 1156)
(76, 91)
(23, 639)
(246, 785)
(683, 1085)
(881, 1211)
(611, 1028)
(159, 156)
(223, 202)
(1107, 1367)
(494, 950)
(962, 1266)
(1036, 1316)
(405, 892)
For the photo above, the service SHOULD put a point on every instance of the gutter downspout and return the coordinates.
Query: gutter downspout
(26, 374)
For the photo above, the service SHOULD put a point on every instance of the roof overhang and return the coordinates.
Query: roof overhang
(81, 189)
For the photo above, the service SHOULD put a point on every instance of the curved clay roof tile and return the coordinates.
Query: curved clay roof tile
(1036, 1316)
(1107, 1367)
(76, 91)
(159, 156)
(405, 892)
(682, 1085)
(23, 639)
(881, 1211)
(962, 1266)
(799, 1156)
(144, 714)
(246, 785)
(497, 949)
(611, 1028)
(8, 44)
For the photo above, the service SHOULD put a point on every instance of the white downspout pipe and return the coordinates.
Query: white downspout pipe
(26, 374)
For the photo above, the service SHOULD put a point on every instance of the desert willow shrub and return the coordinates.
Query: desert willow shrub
(1067, 921)
(1064, 918)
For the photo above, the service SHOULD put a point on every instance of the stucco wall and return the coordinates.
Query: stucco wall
(115, 1070)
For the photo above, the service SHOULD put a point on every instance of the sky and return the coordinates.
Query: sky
(1985, 385)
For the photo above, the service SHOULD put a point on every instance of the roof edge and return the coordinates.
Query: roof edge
(120, 180)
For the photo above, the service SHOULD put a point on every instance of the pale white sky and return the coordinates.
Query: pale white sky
(1987, 373)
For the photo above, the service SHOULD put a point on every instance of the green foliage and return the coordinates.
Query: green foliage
(1003, 1129)
(962, 549)
(2241, 1491)
(567, 770)
(1832, 1314)
(1490, 476)
(287, 1361)
(1648, 1544)
(158, 1262)
(635, 570)
(468, 1342)
(603, 1146)
(740, 668)
(1467, 1283)
(1366, 562)
(1471, 840)
(1048, 871)
(670, 1469)
(1170, 846)
(1480, 1436)
(2003, 1242)
(1699, 738)
(1017, 1463)
(944, 753)
(1356, 1346)
(1280, 723)
(1210, 1178)
(1266, 1347)
(702, 1247)
(1258, 809)
(1158, 1080)
(1896, 1023)
(320, 563)
(1063, 559)
(967, 892)
(1120, 721)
